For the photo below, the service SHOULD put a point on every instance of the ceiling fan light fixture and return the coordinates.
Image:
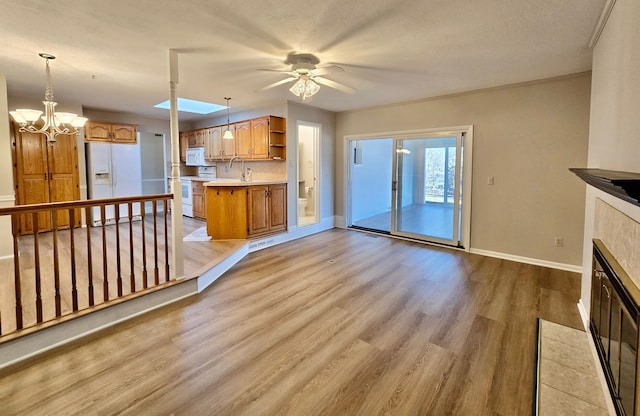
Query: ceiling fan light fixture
(304, 87)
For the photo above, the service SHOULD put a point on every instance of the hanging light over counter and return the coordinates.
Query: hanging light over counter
(227, 134)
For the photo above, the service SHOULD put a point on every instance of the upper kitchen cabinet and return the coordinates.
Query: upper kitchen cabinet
(95, 131)
(183, 142)
(277, 138)
(261, 138)
(196, 138)
(213, 143)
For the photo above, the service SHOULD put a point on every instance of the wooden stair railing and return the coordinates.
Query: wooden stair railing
(56, 264)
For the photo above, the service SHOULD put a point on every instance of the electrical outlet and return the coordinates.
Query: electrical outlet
(559, 241)
(490, 180)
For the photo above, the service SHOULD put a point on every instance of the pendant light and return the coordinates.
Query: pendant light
(227, 134)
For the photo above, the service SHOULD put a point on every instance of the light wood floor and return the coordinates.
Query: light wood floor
(338, 323)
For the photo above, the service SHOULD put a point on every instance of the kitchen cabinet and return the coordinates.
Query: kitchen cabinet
(267, 209)
(255, 139)
(198, 201)
(196, 138)
(244, 140)
(45, 172)
(183, 142)
(238, 212)
(97, 131)
(277, 138)
(226, 212)
(262, 138)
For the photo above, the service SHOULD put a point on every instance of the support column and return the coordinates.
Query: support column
(177, 257)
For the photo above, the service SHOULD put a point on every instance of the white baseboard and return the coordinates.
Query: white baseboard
(339, 221)
(12, 352)
(528, 260)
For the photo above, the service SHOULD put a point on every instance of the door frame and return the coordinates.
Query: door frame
(316, 169)
(466, 130)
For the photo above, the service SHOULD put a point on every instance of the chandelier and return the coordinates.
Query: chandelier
(304, 87)
(54, 123)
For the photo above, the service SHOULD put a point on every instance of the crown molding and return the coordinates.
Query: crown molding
(602, 22)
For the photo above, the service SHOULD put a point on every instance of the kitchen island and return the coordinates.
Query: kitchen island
(237, 209)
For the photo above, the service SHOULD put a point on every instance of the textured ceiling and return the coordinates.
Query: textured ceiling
(113, 55)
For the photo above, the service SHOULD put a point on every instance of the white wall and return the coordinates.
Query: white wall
(614, 135)
(7, 196)
(526, 137)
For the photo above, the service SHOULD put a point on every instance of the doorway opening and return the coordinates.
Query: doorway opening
(308, 173)
(411, 185)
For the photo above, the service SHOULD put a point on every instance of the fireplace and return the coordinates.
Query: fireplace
(614, 325)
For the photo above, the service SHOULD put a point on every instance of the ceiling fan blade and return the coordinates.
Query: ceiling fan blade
(335, 85)
(326, 69)
(280, 71)
(275, 84)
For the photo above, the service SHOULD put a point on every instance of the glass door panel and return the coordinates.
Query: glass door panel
(427, 188)
(371, 174)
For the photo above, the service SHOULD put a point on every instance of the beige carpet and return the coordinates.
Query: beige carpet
(567, 381)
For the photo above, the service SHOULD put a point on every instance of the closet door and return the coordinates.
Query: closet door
(31, 177)
(62, 157)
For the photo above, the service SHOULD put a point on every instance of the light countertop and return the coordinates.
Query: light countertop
(238, 182)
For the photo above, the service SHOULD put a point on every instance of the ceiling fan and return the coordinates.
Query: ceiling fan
(307, 76)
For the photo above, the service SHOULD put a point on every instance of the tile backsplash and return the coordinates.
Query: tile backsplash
(621, 234)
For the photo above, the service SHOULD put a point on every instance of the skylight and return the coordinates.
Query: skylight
(193, 106)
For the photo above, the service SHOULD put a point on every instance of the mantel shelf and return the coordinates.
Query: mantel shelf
(623, 185)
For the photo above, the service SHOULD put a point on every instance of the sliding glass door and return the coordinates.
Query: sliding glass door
(409, 185)
(427, 188)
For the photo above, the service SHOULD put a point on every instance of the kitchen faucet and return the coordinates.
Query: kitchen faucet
(242, 172)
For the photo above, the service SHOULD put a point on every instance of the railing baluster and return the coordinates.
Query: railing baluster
(15, 230)
(87, 214)
(166, 243)
(56, 263)
(132, 276)
(155, 244)
(50, 220)
(116, 208)
(105, 281)
(144, 245)
(74, 287)
(36, 264)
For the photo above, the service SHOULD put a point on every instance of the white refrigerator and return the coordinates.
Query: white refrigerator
(113, 170)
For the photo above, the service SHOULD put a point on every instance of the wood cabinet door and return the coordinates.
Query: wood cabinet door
(260, 138)
(124, 133)
(192, 139)
(258, 210)
(197, 195)
(228, 145)
(63, 175)
(243, 139)
(32, 178)
(183, 143)
(97, 132)
(226, 212)
(213, 143)
(278, 207)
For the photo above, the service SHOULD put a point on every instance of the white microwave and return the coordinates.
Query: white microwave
(195, 156)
